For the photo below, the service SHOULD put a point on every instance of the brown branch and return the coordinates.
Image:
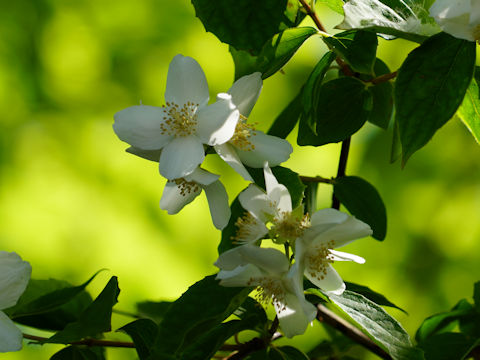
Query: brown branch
(383, 78)
(88, 342)
(327, 316)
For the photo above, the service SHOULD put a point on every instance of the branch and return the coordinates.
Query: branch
(327, 316)
(342, 166)
(383, 78)
(88, 342)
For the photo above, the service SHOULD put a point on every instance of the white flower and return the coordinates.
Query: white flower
(459, 18)
(180, 192)
(184, 124)
(249, 146)
(14, 277)
(314, 252)
(269, 271)
(273, 208)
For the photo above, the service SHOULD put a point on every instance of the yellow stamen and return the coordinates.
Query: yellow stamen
(179, 122)
(186, 187)
(243, 133)
(318, 259)
(269, 290)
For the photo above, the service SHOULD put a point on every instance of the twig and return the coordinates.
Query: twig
(342, 166)
(383, 78)
(88, 342)
(327, 316)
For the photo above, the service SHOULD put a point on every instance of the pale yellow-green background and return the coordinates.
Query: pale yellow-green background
(72, 201)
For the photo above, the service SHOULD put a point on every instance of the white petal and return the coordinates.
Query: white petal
(181, 156)
(267, 148)
(14, 277)
(278, 193)
(10, 336)
(140, 127)
(250, 229)
(202, 177)
(346, 232)
(245, 92)
(454, 17)
(270, 260)
(475, 14)
(254, 200)
(343, 256)
(332, 282)
(295, 315)
(449, 8)
(240, 276)
(172, 199)
(217, 122)
(186, 82)
(229, 155)
(328, 216)
(218, 202)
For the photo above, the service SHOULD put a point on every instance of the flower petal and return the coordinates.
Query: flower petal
(294, 315)
(266, 148)
(331, 282)
(255, 201)
(217, 122)
(14, 277)
(346, 232)
(10, 336)
(186, 82)
(202, 176)
(245, 92)
(173, 200)
(140, 127)
(250, 229)
(218, 202)
(328, 216)
(229, 155)
(270, 260)
(181, 156)
(239, 276)
(278, 193)
(343, 256)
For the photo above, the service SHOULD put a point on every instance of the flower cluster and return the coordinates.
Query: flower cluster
(312, 239)
(14, 277)
(178, 135)
(459, 18)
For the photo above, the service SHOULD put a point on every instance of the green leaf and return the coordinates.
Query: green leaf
(154, 310)
(469, 111)
(371, 295)
(245, 63)
(448, 346)
(396, 150)
(476, 296)
(78, 353)
(94, 320)
(143, 333)
(229, 232)
(382, 93)
(277, 51)
(246, 24)
(430, 86)
(335, 5)
(363, 201)
(253, 312)
(357, 48)
(203, 306)
(384, 329)
(341, 107)
(406, 19)
(439, 322)
(286, 353)
(286, 121)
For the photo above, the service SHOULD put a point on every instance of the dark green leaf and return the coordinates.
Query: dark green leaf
(77, 353)
(286, 353)
(335, 5)
(364, 202)
(382, 109)
(143, 333)
(430, 86)
(203, 306)
(277, 51)
(469, 111)
(246, 24)
(154, 310)
(384, 329)
(357, 48)
(245, 63)
(253, 312)
(94, 320)
(443, 321)
(152, 155)
(476, 296)
(286, 121)
(374, 296)
(258, 355)
(448, 346)
(341, 107)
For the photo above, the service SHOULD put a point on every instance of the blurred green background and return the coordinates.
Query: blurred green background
(73, 202)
